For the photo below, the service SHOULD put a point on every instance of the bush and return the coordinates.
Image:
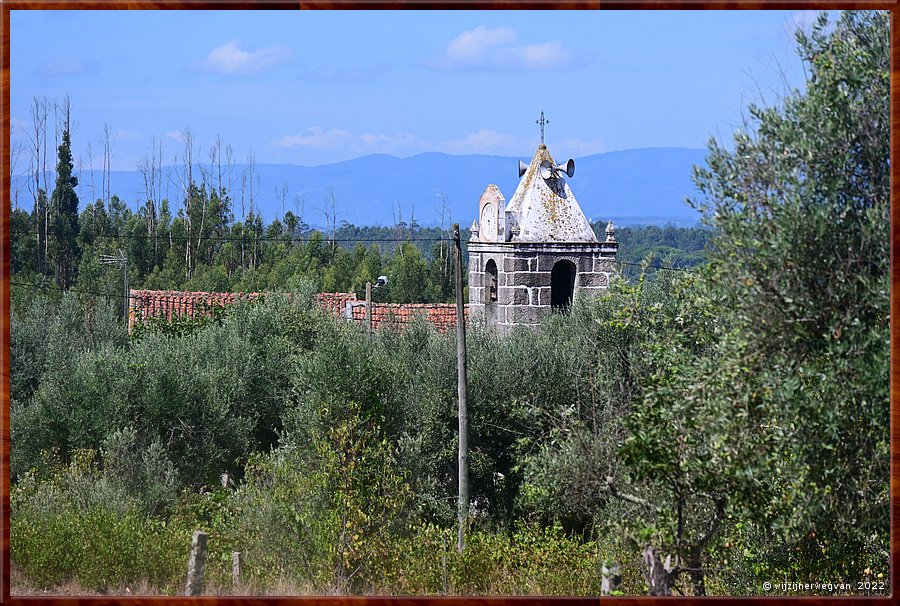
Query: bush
(80, 524)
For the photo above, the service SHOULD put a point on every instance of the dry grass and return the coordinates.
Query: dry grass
(21, 586)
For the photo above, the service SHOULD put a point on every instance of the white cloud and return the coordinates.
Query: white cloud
(541, 56)
(342, 144)
(127, 135)
(483, 142)
(473, 45)
(175, 135)
(329, 74)
(338, 140)
(492, 49)
(63, 68)
(579, 149)
(230, 59)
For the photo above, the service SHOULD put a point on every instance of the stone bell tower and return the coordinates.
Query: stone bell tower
(536, 253)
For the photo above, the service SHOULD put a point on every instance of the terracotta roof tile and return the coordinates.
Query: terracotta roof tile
(168, 303)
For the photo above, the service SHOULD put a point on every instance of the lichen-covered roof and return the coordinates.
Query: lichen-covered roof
(545, 210)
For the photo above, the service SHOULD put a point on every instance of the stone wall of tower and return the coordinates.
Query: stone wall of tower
(524, 278)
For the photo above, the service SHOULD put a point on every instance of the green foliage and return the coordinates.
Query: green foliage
(530, 560)
(779, 417)
(322, 516)
(64, 205)
(47, 333)
(669, 246)
(208, 397)
(180, 324)
(79, 523)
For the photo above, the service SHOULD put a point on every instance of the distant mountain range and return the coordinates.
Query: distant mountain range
(645, 185)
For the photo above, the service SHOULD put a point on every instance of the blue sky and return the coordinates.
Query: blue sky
(309, 88)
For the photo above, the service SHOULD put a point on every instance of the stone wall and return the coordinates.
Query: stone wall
(524, 278)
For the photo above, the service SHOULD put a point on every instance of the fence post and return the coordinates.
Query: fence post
(196, 564)
(610, 580)
(236, 569)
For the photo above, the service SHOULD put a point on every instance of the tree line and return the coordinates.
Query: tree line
(198, 241)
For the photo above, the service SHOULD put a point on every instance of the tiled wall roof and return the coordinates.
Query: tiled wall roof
(169, 303)
(441, 315)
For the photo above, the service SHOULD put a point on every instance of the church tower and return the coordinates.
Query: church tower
(536, 253)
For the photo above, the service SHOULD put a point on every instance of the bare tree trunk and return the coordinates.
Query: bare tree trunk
(300, 204)
(147, 167)
(187, 184)
(443, 198)
(108, 141)
(251, 167)
(14, 153)
(243, 217)
(39, 126)
(281, 193)
(658, 575)
(398, 229)
(91, 168)
(331, 217)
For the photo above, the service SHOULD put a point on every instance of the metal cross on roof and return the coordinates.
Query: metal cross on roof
(542, 122)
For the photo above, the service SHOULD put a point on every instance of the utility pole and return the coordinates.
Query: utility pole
(461, 388)
(122, 260)
(369, 308)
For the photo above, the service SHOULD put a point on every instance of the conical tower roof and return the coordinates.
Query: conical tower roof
(545, 210)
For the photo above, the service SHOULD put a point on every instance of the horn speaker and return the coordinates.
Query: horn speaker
(546, 170)
(567, 167)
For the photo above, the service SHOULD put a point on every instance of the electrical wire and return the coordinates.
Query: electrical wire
(78, 291)
(101, 294)
(246, 239)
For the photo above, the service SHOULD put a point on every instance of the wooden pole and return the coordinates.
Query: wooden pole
(369, 308)
(236, 569)
(127, 293)
(461, 389)
(610, 581)
(196, 564)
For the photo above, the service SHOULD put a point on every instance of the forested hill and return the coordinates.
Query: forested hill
(645, 185)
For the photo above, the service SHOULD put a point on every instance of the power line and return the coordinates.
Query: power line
(78, 291)
(102, 294)
(653, 266)
(245, 239)
(298, 241)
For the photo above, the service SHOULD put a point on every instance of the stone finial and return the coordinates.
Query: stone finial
(610, 232)
(474, 228)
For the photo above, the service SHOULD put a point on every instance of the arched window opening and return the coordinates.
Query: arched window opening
(562, 285)
(490, 271)
(490, 293)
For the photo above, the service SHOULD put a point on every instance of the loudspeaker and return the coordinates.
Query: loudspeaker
(522, 168)
(567, 167)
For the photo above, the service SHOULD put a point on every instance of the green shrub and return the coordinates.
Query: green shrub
(80, 525)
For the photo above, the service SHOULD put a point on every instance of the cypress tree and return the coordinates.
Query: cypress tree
(64, 203)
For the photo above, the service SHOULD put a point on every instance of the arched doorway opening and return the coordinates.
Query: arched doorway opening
(490, 292)
(562, 284)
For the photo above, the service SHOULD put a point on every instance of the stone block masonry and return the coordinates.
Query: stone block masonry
(524, 282)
